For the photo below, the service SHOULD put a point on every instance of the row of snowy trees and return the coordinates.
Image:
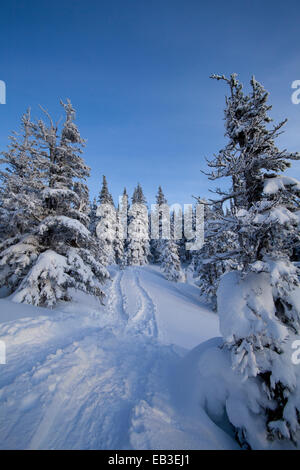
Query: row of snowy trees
(124, 233)
(246, 266)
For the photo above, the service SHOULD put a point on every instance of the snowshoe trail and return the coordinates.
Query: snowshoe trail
(150, 308)
(130, 308)
(140, 307)
(116, 301)
(94, 379)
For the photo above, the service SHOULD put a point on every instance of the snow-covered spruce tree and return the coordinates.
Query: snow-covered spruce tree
(160, 197)
(258, 328)
(105, 197)
(123, 211)
(158, 215)
(181, 243)
(189, 232)
(22, 181)
(137, 250)
(106, 226)
(121, 230)
(64, 248)
(21, 207)
(170, 262)
(184, 254)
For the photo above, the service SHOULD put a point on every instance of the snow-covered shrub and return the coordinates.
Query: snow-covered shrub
(53, 274)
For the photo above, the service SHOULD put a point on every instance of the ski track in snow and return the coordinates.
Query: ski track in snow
(136, 311)
(151, 309)
(144, 318)
(78, 381)
(116, 300)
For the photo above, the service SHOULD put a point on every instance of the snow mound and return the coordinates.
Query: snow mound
(229, 401)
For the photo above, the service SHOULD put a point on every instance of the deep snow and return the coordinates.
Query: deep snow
(119, 376)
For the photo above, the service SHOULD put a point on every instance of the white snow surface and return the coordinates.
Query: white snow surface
(119, 376)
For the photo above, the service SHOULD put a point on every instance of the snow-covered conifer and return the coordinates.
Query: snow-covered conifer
(137, 250)
(105, 197)
(160, 216)
(22, 182)
(188, 227)
(263, 215)
(121, 230)
(21, 207)
(123, 210)
(106, 226)
(170, 262)
(160, 197)
(60, 253)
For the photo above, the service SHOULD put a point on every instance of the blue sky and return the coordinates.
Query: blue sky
(137, 71)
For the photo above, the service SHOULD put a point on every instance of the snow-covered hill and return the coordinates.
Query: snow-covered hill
(119, 376)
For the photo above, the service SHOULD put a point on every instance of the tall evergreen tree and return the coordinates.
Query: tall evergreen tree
(160, 197)
(22, 182)
(62, 249)
(159, 216)
(105, 197)
(263, 215)
(123, 212)
(138, 195)
(137, 251)
(21, 206)
(106, 225)
(184, 254)
(121, 230)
